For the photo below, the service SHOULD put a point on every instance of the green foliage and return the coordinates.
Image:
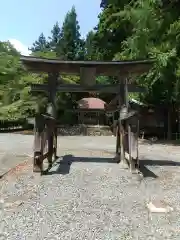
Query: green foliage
(111, 30)
(40, 45)
(90, 52)
(70, 45)
(125, 30)
(55, 38)
(154, 34)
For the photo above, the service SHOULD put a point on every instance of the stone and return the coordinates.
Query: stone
(159, 207)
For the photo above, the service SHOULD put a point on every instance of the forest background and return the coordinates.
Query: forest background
(126, 29)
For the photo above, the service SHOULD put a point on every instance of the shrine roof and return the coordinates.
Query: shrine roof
(91, 103)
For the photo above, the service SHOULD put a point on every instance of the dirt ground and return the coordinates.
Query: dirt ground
(86, 195)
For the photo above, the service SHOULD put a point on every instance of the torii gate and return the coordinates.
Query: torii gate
(45, 124)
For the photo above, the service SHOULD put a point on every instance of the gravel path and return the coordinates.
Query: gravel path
(87, 196)
(14, 148)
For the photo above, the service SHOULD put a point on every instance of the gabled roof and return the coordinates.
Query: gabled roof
(91, 103)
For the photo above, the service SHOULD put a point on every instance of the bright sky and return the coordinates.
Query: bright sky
(22, 21)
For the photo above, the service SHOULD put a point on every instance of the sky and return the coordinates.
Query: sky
(22, 21)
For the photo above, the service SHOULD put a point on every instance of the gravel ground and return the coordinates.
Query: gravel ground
(87, 196)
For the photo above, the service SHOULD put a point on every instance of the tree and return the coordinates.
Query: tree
(149, 20)
(103, 3)
(71, 44)
(111, 30)
(17, 103)
(125, 30)
(90, 47)
(55, 39)
(10, 69)
(40, 45)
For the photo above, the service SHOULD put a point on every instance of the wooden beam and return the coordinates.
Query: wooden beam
(52, 128)
(73, 67)
(79, 88)
(88, 76)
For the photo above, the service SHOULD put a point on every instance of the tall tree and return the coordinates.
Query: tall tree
(71, 44)
(10, 70)
(40, 45)
(55, 38)
(156, 34)
(103, 3)
(111, 30)
(90, 46)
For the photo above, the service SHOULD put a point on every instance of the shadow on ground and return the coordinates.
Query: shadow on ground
(64, 164)
(163, 142)
(145, 163)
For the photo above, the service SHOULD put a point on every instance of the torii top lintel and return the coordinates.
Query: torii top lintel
(113, 68)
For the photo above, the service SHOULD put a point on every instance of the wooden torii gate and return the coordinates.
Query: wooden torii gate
(45, 129)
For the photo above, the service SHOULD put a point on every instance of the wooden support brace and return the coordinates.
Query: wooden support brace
(50, 142)
(130, 158)
(55, 142)
(52, 138)
(129, 133)
(118, 141)
(137, 145)
(122, 146)
(39, 143)
(122, 100)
